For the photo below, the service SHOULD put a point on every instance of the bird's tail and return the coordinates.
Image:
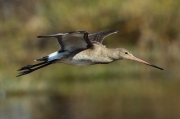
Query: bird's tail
(45, 59)
(30, 68)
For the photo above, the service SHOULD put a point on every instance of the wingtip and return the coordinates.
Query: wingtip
(114, 31)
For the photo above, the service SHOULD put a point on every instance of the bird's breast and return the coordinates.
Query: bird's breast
(79, 62)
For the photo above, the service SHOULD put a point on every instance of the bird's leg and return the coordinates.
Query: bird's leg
(31, 66)
(27, 69)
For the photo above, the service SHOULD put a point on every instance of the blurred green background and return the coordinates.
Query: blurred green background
(150, 29)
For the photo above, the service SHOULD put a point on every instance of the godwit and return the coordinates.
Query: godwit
(82, 48)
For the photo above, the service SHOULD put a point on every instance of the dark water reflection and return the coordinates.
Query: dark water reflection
(35, 107)
(82, 107)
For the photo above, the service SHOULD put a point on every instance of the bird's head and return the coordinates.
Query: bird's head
(125, 54)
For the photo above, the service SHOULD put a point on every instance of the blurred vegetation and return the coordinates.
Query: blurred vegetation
(148, 28)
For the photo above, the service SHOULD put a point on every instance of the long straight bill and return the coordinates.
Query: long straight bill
(139, 60)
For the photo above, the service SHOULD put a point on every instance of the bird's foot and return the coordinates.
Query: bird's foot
(27, 71)
(25, 67)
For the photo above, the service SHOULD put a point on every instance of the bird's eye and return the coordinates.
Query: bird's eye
(126, 53)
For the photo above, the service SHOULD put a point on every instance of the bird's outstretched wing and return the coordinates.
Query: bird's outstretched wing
(100, 36)
(71, 41)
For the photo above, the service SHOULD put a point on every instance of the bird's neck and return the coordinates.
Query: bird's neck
(113, 54)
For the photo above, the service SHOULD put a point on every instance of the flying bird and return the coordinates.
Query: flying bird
(82, 48)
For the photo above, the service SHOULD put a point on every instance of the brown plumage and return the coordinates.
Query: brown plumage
(82, 48)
